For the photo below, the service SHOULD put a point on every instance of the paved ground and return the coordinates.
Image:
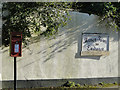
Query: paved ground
(115, 87)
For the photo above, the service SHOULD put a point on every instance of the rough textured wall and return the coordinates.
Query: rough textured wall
(60, 58)
(119, 55)
(0, 43)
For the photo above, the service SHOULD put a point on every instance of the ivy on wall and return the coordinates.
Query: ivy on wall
(102, 9)
(31, 17)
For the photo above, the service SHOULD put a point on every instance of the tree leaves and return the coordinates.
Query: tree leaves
(29, 17)
(103, 9)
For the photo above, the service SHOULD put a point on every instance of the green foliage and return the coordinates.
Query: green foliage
(77, 85)
(103, 9)
(90, 7)
(115, 83)
(69, 84)
(31, 17)
(101, 83)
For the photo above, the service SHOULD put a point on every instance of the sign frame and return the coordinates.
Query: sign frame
(95, 52)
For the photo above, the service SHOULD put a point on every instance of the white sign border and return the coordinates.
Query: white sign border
(95, 53)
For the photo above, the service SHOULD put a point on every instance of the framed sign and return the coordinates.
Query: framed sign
(95, 44)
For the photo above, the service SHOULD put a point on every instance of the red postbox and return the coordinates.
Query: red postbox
(16, 44)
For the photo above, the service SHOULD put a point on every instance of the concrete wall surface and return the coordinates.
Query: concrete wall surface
(0, 44)
(59, 58)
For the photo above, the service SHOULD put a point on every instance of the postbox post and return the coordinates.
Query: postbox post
(15, 74)
(15, 51)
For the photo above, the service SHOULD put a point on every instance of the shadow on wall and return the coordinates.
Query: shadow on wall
(0, 36)
(68, 36)
(72, 34)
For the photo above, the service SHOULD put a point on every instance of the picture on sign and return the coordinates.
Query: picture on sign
(95, 42)
(16, 48)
